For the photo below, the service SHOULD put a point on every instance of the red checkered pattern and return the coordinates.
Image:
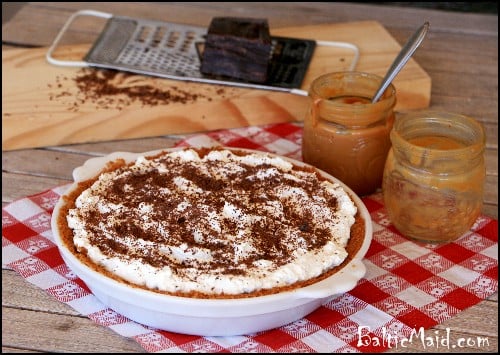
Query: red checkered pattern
(408, 285)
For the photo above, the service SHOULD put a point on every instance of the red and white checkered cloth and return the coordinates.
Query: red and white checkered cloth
(408, 286)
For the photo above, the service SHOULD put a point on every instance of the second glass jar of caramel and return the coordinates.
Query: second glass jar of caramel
(434, 175)
(344, 133)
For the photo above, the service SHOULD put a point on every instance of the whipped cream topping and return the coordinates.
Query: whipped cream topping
(213, 221)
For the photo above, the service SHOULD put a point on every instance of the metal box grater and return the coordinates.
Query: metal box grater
(174, 51)
(148, 47)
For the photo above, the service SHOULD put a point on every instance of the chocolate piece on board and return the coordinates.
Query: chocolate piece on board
(238, 48)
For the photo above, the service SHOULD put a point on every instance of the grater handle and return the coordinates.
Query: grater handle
(346, 45)
(72, 63)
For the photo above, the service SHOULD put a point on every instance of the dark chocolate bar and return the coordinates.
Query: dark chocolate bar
(238, 48)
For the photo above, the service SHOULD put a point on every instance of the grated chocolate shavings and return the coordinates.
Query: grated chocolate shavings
(111, 89)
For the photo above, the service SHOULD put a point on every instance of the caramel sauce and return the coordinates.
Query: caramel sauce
(345, 134)
(436, 142)
(351, 100)
(355, 155)
(435, 193)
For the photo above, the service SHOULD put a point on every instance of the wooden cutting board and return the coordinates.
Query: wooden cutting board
(43, 105)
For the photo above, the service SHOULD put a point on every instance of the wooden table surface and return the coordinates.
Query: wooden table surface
(460, 54)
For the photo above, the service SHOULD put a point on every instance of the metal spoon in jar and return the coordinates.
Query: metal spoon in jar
(403, 57)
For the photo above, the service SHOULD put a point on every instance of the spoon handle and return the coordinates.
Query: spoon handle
(403, 56)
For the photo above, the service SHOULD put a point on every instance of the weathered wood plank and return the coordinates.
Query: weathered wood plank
(60, 333)
(16, 290)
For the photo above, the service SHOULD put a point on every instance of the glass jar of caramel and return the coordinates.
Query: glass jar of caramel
(434, 175)
(344, 133)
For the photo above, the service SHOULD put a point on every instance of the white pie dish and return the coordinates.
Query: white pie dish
(210, 317)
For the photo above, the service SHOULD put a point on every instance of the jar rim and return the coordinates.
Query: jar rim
(421, 123)
(388, 95)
